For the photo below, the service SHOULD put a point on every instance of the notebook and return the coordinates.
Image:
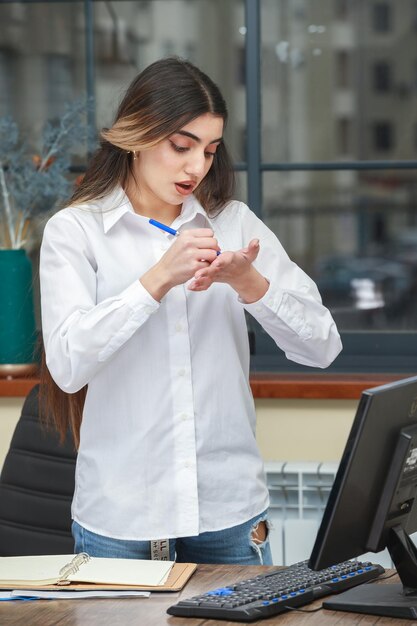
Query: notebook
(83, 572)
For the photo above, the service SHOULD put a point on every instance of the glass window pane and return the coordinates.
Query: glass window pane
(338, 80)
(355, 234)
(241, 186)
(42, 62)
(43, 66)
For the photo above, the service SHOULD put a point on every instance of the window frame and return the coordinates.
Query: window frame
(363, 352)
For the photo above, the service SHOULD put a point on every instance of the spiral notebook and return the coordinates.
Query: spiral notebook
(80, 571)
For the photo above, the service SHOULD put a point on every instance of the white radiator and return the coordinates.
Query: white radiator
(299, 493)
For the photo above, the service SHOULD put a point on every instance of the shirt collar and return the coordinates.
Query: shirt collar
(112, 207)
(116, 204)
(190, 208)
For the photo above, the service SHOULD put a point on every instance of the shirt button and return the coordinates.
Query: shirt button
(187, 464)
(258, 309)
(184, 416)
(181, 372)
(178, 327)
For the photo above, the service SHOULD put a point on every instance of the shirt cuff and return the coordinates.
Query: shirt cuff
(139, 299)
(270, 301)
(277, 303)
(141, 305)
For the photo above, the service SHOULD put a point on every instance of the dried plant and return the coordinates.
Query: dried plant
(31, 183)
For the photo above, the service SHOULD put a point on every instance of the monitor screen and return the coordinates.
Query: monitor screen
(373, 504)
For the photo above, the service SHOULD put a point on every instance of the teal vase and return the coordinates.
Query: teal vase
(17, 316)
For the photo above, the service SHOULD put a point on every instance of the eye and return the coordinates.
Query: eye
(178, 148)
(210, 155)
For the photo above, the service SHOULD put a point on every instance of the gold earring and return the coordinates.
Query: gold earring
(134, 155)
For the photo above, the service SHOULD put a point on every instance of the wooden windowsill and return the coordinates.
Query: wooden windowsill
(16, 387)
(317, 386)
(267, 385)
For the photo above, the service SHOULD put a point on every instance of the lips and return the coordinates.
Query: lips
(185, 187)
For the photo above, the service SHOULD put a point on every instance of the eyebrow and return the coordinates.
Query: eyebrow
(192, 136)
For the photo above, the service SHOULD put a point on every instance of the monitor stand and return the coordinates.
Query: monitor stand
(391, 600)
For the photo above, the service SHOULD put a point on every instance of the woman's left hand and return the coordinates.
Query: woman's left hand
(236, 269)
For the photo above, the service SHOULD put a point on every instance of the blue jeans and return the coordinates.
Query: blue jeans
(233, 546)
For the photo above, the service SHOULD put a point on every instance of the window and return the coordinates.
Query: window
(341, 9)
(7, 92)
(314, 142)
(342, 69)
(343, 130)
(383, 136)
(381, 17)
(331, 188)
(381, 76)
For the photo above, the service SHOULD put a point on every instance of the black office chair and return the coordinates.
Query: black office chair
(36, 488)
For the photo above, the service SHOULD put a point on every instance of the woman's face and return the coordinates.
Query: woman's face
(171, 170)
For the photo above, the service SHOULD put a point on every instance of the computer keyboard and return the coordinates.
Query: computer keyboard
(275, 592)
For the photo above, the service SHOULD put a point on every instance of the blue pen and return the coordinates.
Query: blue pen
(169, 230)
(23, 598)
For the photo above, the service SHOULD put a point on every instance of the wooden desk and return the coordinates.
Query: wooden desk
(152, 611)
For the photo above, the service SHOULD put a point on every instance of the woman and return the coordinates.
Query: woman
(154, 324)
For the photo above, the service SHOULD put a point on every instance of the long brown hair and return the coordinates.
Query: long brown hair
(163, 98)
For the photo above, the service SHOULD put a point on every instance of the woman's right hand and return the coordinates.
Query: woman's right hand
(192, 250)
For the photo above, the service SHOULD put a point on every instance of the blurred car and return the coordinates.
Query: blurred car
(364, 282)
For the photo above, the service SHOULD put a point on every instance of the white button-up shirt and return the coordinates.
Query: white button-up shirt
(168, 443)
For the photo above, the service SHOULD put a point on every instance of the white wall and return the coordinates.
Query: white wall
(288, 430)
(307, 430)
(9, 413)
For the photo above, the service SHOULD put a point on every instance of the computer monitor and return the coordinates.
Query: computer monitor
(373, 503)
